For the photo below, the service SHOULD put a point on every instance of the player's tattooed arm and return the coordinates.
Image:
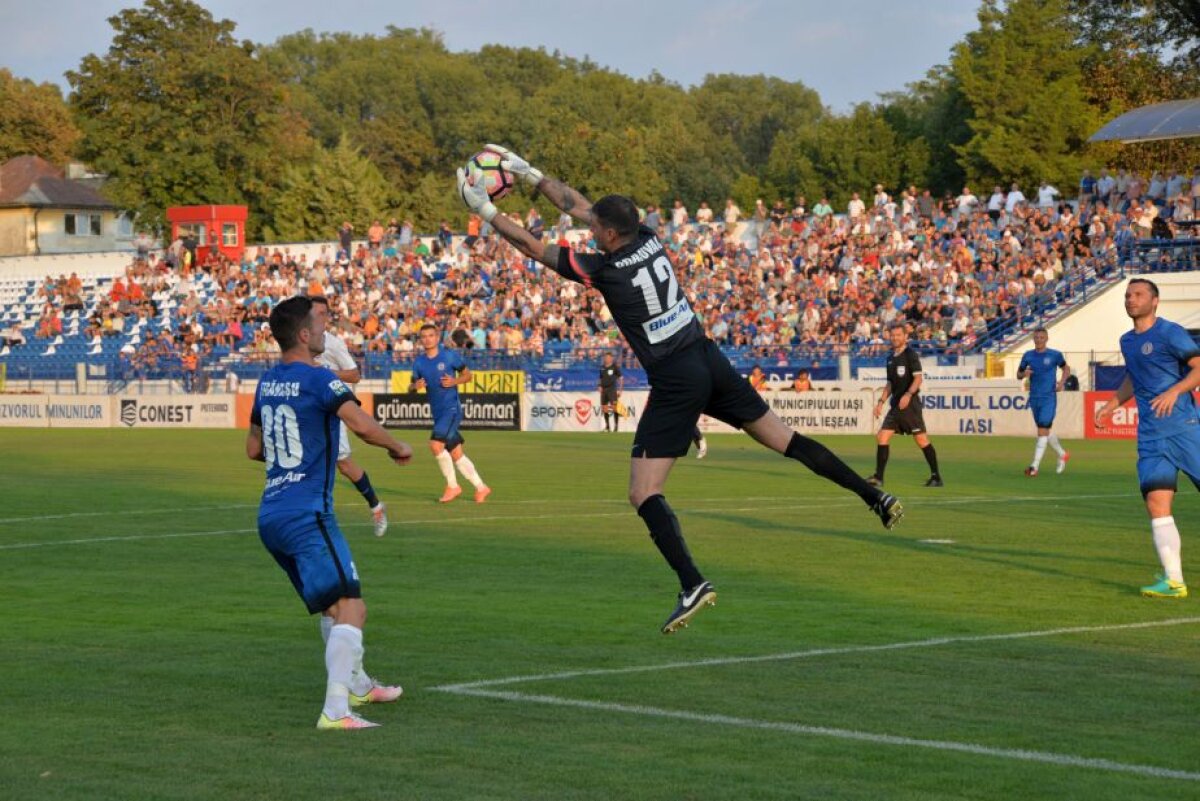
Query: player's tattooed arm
(526, 242)
(566, 199)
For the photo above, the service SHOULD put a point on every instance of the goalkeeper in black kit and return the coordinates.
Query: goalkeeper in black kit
(687, 372)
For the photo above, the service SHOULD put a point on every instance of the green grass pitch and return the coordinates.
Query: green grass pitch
(151, 649)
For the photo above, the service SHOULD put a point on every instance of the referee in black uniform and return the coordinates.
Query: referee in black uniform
(611, 384)
(902, 394)
(687, 372)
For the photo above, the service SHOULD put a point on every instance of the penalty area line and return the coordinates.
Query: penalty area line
(1022, 755)
(814, 652)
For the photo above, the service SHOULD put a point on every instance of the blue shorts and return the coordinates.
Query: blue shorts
(1044, 409)
(445, 429)
(311, 549)
(1160, 460)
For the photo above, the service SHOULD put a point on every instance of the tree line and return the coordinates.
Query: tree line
(314, 129)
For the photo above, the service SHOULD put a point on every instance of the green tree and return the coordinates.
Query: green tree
(751, 110)
(1022, 74)
(179, 112)
(1170, 29)
(930, 120)
(1139, 52)
(839, 155)
(34, 120)
(317, 196)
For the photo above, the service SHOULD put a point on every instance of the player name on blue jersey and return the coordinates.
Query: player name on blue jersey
(279, 389)
(296, 407)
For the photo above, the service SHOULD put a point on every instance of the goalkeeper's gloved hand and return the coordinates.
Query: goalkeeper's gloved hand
(517, 165)
(476, 197)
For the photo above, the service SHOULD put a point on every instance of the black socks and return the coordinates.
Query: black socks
(881, 459)
(822, 461)
(931, 458)
(664, 530)
(363, 485)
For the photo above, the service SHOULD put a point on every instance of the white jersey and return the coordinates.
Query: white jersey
(337, 357)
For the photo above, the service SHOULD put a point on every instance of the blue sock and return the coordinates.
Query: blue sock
(363, 485)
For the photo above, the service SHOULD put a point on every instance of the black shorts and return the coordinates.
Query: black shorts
(698, 379)
(905, 421)
(608, 396)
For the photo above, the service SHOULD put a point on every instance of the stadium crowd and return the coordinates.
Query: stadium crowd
(766, 282)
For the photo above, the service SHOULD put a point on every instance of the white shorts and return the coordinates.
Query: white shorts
(343, 442)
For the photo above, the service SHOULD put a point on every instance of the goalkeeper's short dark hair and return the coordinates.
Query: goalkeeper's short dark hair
(618, 213)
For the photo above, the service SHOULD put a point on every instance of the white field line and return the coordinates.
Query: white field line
(180, 510)
(831, 500)
(1065, 760)
(554, 516)
(479, 690)
(125, 512)
(814, 652)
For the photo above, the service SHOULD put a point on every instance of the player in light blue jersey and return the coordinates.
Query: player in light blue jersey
(294, 429)
(1041, 366)
(1162, 367)
(440, 371)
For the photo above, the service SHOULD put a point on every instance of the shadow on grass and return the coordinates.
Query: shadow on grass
(1008, 557)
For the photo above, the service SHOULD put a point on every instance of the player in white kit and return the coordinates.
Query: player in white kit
(338, 359)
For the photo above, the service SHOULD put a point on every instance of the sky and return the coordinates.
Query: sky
(850, 51)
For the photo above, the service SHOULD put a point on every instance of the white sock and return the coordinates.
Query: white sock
(1166, 540)
(342, 653)
(467, 468)
(1039, 451)
(360, 682)
(446, 465)
(1053, 439)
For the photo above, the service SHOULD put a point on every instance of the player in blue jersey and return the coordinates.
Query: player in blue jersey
(1041, 366)
(294, 426)
(440, 371)
(1162, 367)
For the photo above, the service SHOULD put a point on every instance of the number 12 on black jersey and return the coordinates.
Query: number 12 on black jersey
(662, 325)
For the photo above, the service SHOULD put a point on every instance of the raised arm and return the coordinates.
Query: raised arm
(564, 197)
(477, 200)
(524, 241)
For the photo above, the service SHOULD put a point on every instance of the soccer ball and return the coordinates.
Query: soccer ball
(485, 166)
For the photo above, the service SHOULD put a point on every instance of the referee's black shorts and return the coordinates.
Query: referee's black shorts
(608, 396)
(698, 379)
(905, 421)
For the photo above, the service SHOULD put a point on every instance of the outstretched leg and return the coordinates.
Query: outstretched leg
(776, 435)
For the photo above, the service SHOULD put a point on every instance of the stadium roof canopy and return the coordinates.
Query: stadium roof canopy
(1174, 120)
